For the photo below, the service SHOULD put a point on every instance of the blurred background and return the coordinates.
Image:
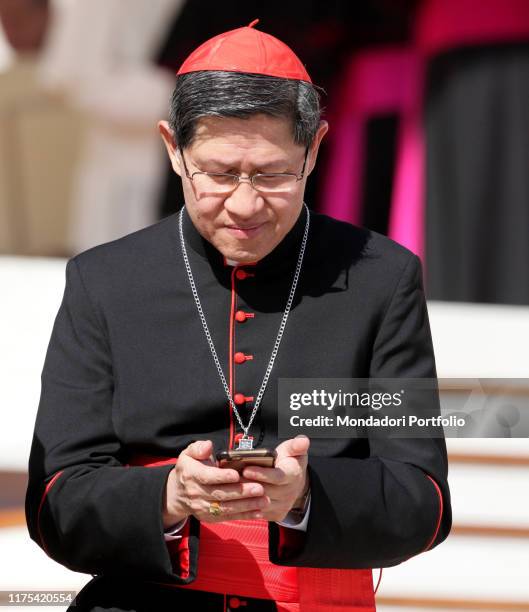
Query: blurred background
(428, 106)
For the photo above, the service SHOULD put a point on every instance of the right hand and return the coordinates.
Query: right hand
(195, 482)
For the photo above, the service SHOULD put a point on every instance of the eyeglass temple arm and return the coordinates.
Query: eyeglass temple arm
(185, 165)
(304, 163)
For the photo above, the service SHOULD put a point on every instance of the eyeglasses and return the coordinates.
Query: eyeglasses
(225, 182)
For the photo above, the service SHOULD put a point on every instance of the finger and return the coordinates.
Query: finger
(266, 475)
(287, 469)
(199, 450)
(203, 472)
(301, 445)
(242, 516)
(234, 491)
(276, 492)
(229, 508)
(246, 516)
(294, 447)
(209, 475)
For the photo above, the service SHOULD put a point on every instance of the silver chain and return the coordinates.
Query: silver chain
(279, 333)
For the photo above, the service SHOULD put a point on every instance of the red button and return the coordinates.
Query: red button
(241, 357)
(241, 274)
(239, 398)
(237, 437)
(241, 316)
(235, 602)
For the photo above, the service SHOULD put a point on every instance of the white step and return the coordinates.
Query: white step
(29, 568)
(464, 568)
(480, 340)
(486, 495)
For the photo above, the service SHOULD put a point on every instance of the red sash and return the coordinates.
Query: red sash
(234, 559)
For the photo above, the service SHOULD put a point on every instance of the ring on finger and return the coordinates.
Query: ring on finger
(215, 508)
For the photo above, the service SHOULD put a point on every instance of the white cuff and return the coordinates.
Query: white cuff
(293, 522)
(173, 532)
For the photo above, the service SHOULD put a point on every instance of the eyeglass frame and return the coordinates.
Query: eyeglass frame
(246, 178)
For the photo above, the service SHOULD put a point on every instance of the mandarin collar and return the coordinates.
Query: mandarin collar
(286, 251)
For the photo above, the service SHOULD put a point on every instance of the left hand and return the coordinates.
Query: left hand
(286, 482)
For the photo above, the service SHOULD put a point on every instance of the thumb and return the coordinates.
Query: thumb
(294, 447)
(200, 450)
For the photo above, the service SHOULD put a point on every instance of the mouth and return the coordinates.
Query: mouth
(245, 231)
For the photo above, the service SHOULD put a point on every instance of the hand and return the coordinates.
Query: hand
(287, 481)
(195, 482)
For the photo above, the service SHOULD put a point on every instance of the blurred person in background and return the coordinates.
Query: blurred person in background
(477, 140)
(23, 26)
(98, 55)
(24, 23)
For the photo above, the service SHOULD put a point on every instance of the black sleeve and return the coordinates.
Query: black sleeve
(384, 509)
(84, 507)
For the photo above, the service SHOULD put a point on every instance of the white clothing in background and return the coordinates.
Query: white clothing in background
(99, 54)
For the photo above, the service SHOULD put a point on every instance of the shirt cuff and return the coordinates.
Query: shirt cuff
(173, 532)
(292, 521)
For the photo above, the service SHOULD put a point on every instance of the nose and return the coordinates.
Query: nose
(244, 201)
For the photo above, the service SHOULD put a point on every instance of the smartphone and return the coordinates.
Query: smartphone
(239, 459)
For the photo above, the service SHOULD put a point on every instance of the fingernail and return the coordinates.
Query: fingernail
(257, 515)
(255, 490)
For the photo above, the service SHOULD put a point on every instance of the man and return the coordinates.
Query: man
(168, 346)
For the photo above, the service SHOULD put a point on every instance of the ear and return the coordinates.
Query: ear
(168, 138)
(313, 153)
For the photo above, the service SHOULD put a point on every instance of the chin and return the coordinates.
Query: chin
(243, 256)
(243, 253)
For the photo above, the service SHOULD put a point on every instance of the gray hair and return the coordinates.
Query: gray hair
(235, 94)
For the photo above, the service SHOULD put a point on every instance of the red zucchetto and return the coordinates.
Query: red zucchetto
(247, 50)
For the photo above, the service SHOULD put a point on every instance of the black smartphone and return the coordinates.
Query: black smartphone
(239, 459)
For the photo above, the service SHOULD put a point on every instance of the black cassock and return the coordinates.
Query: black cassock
(128, 371)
